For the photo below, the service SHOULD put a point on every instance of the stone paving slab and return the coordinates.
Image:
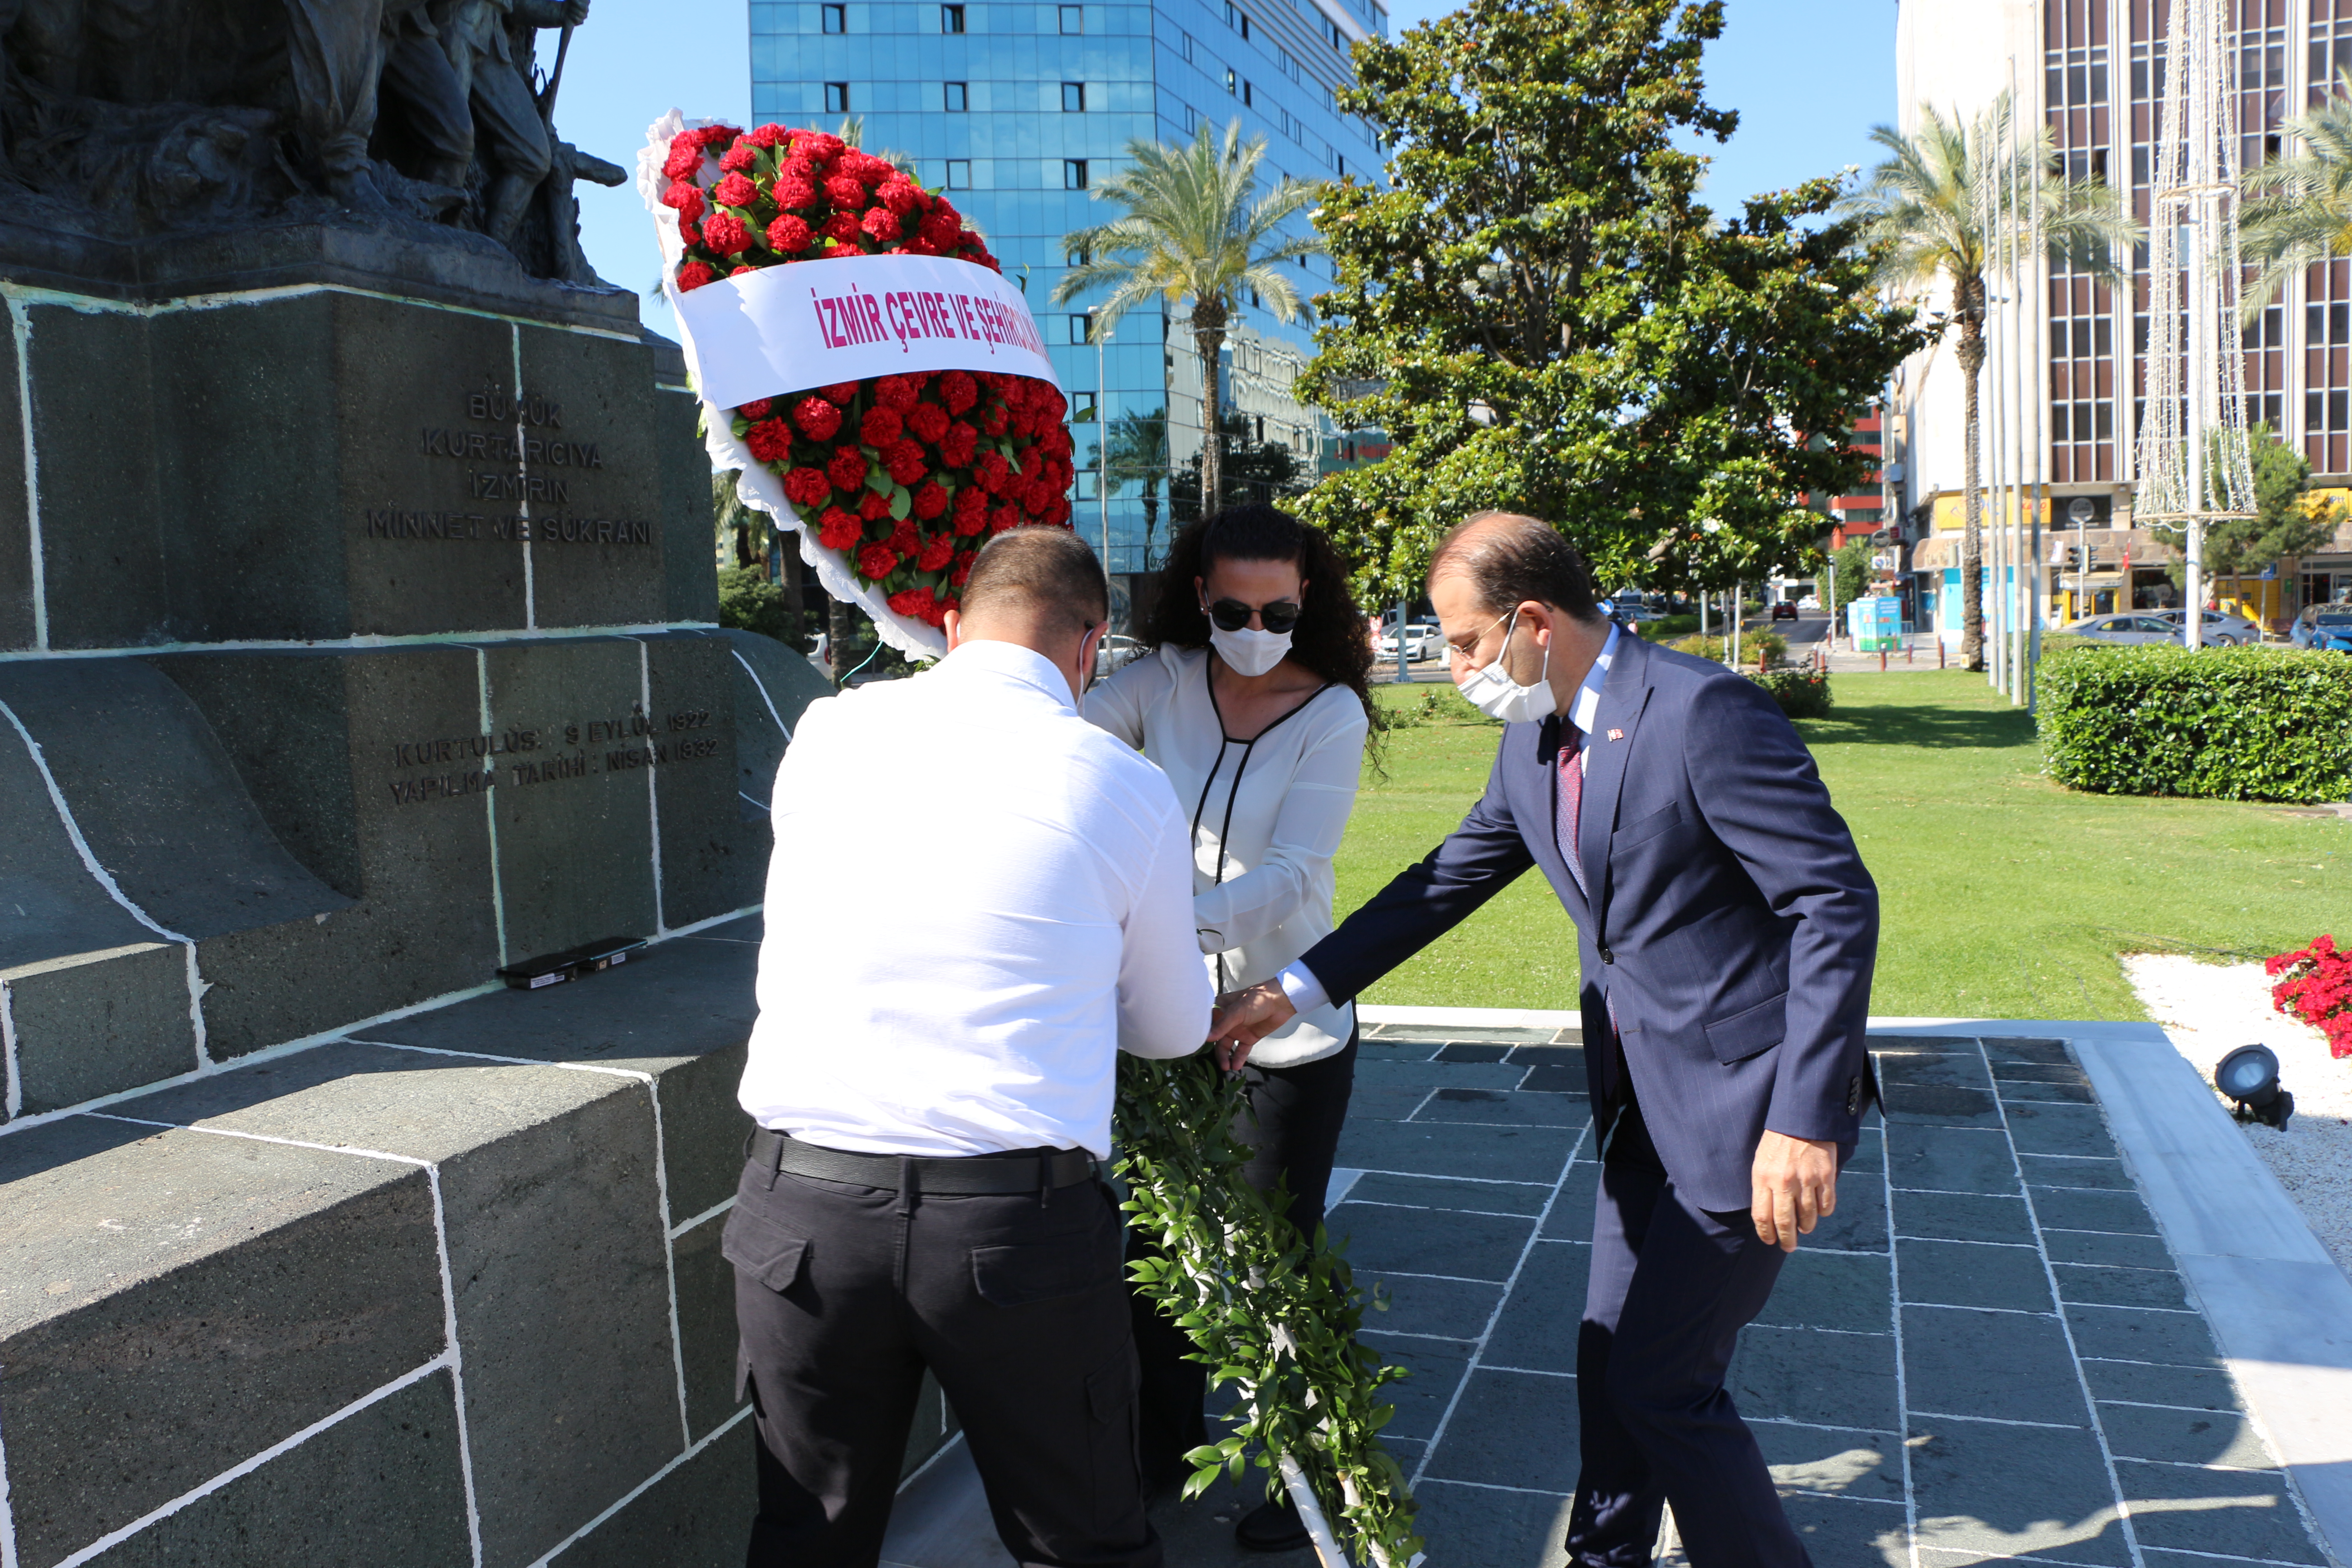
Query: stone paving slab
(1990, 1353)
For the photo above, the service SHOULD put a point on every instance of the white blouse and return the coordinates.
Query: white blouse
(1266, 817)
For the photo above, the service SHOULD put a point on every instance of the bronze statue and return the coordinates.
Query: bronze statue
(131, 120)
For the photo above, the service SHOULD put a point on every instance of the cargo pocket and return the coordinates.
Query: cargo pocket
(762, 1250)
(1115, 1440)
(1750, 1031)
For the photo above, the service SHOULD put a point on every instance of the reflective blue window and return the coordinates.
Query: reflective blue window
(1073, 98)
(958, 96)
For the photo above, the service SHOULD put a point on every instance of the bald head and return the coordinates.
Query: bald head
(1041, 588)
(1508, 559)
(1034, 578)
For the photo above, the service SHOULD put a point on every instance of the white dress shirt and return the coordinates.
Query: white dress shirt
(1265, 817)
(975, 895)
(1299, 982)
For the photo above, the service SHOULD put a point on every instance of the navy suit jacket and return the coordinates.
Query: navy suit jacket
(1731, 922)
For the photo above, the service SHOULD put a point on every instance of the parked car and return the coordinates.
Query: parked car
(2146, 627)
(1421, 642)
(1115, 652)
(1810, 602)
(2220, 630)
(1784, 611)
(2327, 626)
(1634, 613)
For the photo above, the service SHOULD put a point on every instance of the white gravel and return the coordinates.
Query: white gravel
(2210, 1010)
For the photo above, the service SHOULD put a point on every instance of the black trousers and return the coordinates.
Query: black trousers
(1294, 1137)
(844, 1294)
(1671, 1288)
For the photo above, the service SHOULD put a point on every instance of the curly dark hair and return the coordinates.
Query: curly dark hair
(1331, 639)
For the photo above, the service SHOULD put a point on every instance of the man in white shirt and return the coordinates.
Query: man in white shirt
(1006, 903)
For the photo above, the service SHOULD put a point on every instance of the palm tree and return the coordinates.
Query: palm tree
(1196, 229)
(1942, 205)
(1139, 451)
(2298, 210)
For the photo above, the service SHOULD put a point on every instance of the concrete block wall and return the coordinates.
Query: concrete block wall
(317, 1245)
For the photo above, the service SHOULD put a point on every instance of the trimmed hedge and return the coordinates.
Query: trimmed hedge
(2246, 724)
(1801, 692)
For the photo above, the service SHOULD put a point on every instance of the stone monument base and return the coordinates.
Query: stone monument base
(445, 1292)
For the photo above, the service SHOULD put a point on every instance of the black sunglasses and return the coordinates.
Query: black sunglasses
(1232, 614)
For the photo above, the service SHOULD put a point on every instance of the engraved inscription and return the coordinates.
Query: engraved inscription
(586, 747)
(503, 466)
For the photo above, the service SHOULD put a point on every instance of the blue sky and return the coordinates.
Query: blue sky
(1808, 76)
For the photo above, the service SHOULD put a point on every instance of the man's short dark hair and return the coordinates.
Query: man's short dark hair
(1510, 558)
(1047, 576)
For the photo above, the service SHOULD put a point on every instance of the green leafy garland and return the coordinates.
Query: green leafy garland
(1266, 1310)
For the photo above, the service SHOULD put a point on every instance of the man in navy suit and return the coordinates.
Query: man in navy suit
(1727, 930)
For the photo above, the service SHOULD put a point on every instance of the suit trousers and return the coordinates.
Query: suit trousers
(844, 1294)
(1293, 1134)
(1671, 1285)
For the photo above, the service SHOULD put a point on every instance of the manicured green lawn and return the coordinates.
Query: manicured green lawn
(2004, 896)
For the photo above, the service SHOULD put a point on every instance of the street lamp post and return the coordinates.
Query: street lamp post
(1102, 335)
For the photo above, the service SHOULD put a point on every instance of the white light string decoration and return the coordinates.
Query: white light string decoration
(2195, 466)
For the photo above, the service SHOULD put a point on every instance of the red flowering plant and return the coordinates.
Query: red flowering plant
(898, 478)
(2315, 985)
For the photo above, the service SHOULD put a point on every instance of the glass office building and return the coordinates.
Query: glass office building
(1019, 110)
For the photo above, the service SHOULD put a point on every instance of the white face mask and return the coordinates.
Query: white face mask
(1249, 650)
(1497, 696)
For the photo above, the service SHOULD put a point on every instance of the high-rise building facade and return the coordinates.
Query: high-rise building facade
(2092, 70)
(1019, 112)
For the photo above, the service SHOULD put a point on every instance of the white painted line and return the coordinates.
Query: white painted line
(197, 986)
(457, 1365)
(669, 1261)
(335, 1035)
(1472, 1017)
(367, 643)
(762, 688)
(12, 1089)
(1449, 1278)
(8, 1512)
(530, 584)
(1998, 1421)
(490, 805)
(450, 1353)
(653, 790)
(2073, 1352)
(643, 1487)
(20, 323)
(93, 305)
(1901, 1379)
(116, 1537)
(713, 1212)
(1529, 1371)
(1478, 1345)
(1487, 1486)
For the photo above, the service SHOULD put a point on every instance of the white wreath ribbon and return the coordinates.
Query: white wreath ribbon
(783, 330)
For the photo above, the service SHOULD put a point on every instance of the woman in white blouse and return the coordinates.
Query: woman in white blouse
(1254, 700)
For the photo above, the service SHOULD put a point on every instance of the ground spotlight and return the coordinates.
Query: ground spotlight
(2249, 1076)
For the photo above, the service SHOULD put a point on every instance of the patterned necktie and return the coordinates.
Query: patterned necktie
(1571, 798)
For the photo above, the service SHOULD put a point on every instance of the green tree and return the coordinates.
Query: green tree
(1544, 318)
(2284, 522)
(2298, 210)
(1254, 470)
(1940, 208)
(1855, 577)
(1138, 456)
(1196, 229)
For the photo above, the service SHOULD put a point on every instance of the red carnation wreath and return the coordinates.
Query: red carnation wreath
(893, 482)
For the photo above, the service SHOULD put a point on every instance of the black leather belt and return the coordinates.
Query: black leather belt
(966, 1175)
